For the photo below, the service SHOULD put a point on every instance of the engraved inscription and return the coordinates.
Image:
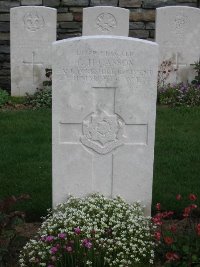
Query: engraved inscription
(102, 132)
(179, 26)
(106, 22)
(33, 21)
(106, 66)
(179, 22)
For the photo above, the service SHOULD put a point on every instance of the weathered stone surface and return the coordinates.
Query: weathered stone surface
(4, 36)
(68, 30)
(186, 1)
(4, 58)
(5, 72)
(77, 3)
(142, 15)
(33, 29)
(178, 34)
(105, 20)
(70, 25)
(76, 9)
(103, 2)
(152, 34)
(62, 9)
(6, 5)
(4, 42)
(188, 4)
(4, 27)
(65, 17)
(137, 25)
(78, 16)
(31, 2)
(130, 3)
(62, 36)
(103, 126)
(5, 82)
(4, 49)
(150, 26)
(5, 17)
(157, 3)
(51, 3)
(143, 34)
(5, 65)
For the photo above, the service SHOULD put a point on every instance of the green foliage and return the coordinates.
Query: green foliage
(25, 158)
(179, 241)
(179, 95)
(17, 99)
(8, 221)
(197, 69)
(4, 97)
(42, 98)
(48, 82)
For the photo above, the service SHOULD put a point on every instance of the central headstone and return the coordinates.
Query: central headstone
(104, 108)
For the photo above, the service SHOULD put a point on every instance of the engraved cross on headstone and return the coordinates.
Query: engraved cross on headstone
(102, 133)
(33, 63)
(177, 65)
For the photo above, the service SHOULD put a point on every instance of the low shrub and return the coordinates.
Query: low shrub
(196, 67)
(42, 98)
(178, 241)
(93, 231)
(4, 97)
(179, 95)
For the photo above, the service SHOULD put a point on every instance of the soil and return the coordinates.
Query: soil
(11, 106)
(24, 232)
(28, 230)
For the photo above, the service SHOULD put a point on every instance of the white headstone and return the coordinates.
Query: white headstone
(104, 109)
(33, 29)
(105, 20)
(178, 36)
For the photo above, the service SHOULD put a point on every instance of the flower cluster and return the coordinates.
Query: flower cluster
(92, 231)
(165, 69)
(178, 241)
(179, 95)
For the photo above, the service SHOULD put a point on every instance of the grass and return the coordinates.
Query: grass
(177, 156)
(25, 157)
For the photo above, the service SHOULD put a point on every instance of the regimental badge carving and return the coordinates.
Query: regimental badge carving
(106, 22)
(33, 21)
(102, 132)
(180, 22)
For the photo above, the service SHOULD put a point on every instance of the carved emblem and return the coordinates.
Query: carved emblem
(33, 21)
(102, 132)
(180, 22)
(106, 22)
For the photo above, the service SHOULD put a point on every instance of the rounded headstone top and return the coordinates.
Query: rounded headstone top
(105, 20)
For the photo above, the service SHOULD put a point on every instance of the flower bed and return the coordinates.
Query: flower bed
(93, 231)
(178, 241)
